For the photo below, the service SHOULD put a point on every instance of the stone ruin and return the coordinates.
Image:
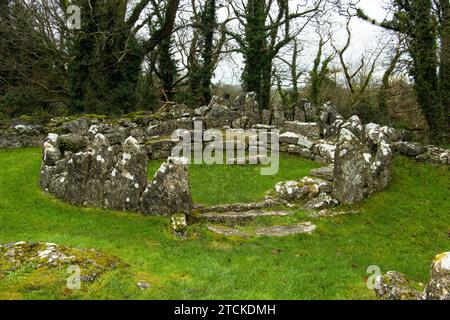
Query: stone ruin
(395, 286)
(100, 171)
(358, 160)
(102, 163)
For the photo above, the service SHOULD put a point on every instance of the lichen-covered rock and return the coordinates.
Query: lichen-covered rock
(289, 138)
(304, 189)
(439, 286)
(350, 169)
(409, 148)
(201, 111)
(327, 113)
(37, 255)
(323, 201)
(434, 155)
(247, 107)
(101, 175)
(395, 286)
(310, 130)
(169, 192)
(325, 173)
(51, 152)
(159, 148)
(128, 177)
(325, 150)
(305, 142)
(178, 224)
(354, 125)
(376, 133)
(278, 116)
(72, 142)
(219, 115)
(21, 136)
(299, 113)
(380, 168)
(77, 126)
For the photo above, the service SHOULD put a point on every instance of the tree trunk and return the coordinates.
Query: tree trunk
(423, 49)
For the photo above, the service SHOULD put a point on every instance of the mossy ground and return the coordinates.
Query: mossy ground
(400, 229)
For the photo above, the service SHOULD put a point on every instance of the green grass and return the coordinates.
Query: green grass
(399, 229)
(219, 184)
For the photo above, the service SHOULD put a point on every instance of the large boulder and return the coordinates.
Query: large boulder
(169, 192)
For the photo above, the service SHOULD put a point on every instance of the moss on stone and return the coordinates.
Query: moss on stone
(27, 258)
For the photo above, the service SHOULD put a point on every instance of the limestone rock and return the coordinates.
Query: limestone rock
(169, 192)
(37, 255)
(78, 126)
(325, 150)
(395, 286)
(323, 201)
(354, 125)
(247, 107)
(350, 169)
(128, 177)
(51, 152)
(325, 173)
(409, 148)
(311, 130)
(201, 111)
(178, 224)
(439, 286)
(305, 142)
(72, 142)
(278, 116)
(295, 191)
(289, 138)
(219, 115)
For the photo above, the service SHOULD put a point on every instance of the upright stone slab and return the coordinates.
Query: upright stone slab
(128, 177)
(169, 192)
(439, 286)
(350, 169)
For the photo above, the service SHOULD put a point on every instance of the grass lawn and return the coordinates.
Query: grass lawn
(399, 229)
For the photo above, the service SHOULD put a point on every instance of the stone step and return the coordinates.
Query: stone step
(236, 217)
(239, 207)
(273, 231)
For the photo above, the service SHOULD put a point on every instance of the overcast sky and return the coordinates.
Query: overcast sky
(364, 37)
